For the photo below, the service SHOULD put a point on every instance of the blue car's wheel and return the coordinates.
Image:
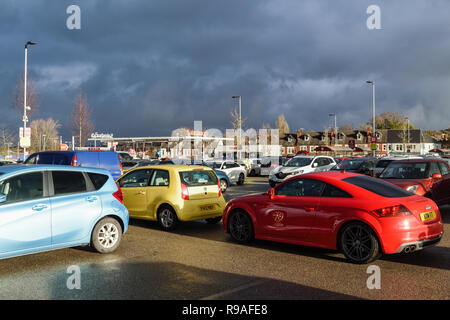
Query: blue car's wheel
(106, 235)
(223, 185)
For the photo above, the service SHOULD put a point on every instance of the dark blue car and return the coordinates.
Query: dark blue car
(108, 160)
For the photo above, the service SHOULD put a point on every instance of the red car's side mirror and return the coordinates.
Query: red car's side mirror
(272, 193)
(436, 176)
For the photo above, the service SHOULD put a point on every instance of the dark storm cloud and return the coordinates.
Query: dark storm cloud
(148, 67)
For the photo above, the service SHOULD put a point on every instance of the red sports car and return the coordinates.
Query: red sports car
(359, 215)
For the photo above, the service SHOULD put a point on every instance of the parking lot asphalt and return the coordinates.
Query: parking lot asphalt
(200, 261)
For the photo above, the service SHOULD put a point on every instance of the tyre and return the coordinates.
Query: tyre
(241, 179)
(272, 184)
(359, 243)
(252, 173)
(240, 226)
(106, 235)
(167, 218)
(213, 220)
(223, 185)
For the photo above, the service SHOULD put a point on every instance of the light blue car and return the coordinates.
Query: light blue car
(47, 207)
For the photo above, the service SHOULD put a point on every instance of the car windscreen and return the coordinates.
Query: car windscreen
(383, 163)
(198, 178)
(214, 165)
(147, 163)
(403, 170)
(349, 164)
(128, 164)
(298, 162)
(378, 187)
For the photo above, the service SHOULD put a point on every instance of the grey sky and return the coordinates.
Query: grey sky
(148, 67)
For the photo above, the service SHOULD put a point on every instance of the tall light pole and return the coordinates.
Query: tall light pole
(373, 110)
(335, 126)
(240, 121)
(25, 107)
(407, 123)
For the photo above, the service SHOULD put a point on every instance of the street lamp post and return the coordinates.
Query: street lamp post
(335, 126)
(25, 107)
(335, 130)
(240, 122)
(373, 110)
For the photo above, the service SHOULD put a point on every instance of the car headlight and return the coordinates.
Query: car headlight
(412, 188)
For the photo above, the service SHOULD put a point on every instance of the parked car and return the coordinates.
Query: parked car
(424, 177)
(361, 216)
(270, 163)
(6, 162)
(235, 172)
(254, 167)
(51, 207)
(300, 165)
(223, 180)
(385, 161)
(127, 165)
(338, 160)
(357, 165)
(172, 193)
(91, 159)
(125, 156)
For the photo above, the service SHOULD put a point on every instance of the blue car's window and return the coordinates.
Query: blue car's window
(23, 187)
(98, 180)
(61, 159)
(45, 158)
(65, 182)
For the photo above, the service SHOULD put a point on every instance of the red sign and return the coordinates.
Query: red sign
(63, 147)
(27, 133)
(373, 139)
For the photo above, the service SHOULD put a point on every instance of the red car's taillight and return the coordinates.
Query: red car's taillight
(121, 167)
(184, 192)
(220, 188)
(394, 211)
(74, 161)
(118, 195)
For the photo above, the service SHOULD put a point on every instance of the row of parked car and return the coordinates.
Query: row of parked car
(424, 176)
(68, 203)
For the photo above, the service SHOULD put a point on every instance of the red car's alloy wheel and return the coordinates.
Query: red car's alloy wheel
(359, 243)
(240, 226)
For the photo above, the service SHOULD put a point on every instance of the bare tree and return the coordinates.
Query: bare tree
(81, 119)
(282, 125)
(32, 95)
(236, 122)
(346, 127)
(7, 139)
(44, 134)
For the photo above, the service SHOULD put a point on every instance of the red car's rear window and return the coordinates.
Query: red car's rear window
(378, 187)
